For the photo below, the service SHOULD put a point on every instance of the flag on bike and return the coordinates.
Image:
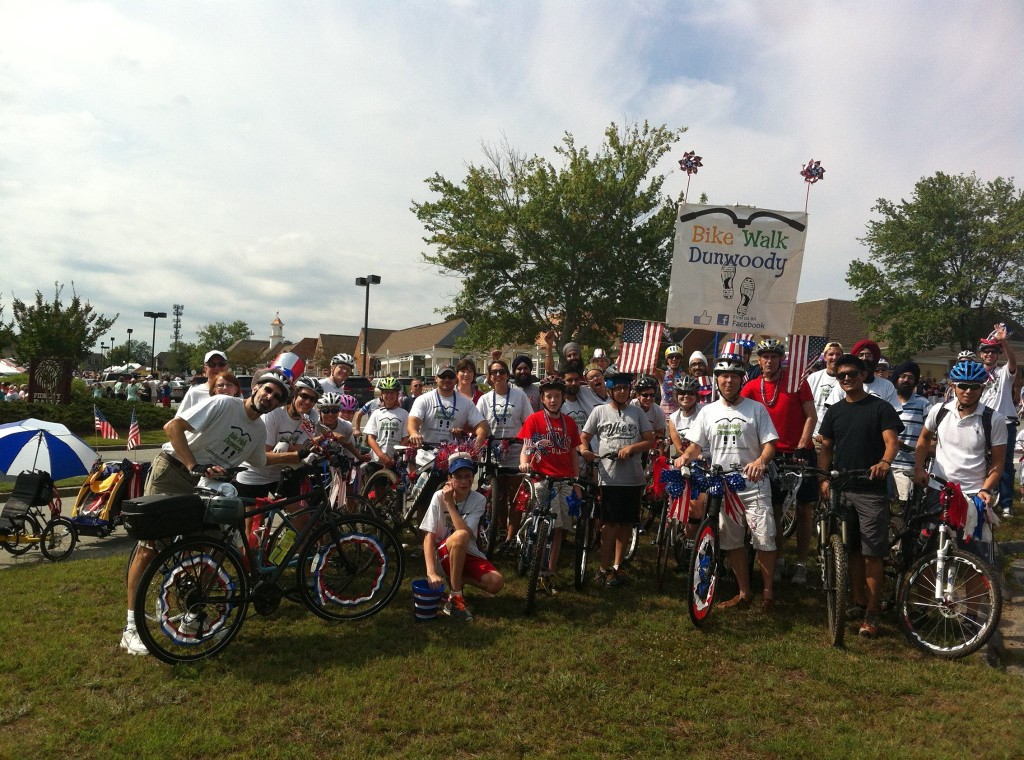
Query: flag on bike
(134, 434)
(104, 428)
(679, 506)
(640, 342)
(804, 350)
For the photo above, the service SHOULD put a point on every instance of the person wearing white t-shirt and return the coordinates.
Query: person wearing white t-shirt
(998, 395)
(824, 380)
(214, 363)
(738, 431)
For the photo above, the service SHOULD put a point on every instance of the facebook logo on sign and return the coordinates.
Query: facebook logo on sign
(723, 319)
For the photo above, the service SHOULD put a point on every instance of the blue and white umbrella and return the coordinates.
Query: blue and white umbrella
(37, 445)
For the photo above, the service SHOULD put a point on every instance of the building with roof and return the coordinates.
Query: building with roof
(419, 351)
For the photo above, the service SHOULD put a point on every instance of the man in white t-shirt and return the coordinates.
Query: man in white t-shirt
(738, 431)
(824, 380)
(214, 363)
(998, 395)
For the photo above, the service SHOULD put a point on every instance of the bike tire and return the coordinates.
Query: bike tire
(703, 575)
(20, 541)
(789, 513)
(58, 539)
(490, 529)
(376, 487)
(584, 542)
(527, 537)
(634, 541)
(350, 568)
(950, 629)
(836, 562)
(192, 600)
(666, 546)
(536, 562)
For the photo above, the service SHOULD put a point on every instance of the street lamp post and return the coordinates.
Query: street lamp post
(366, 282)
(155, 315)
(103, 355)
(129, 349)
(111, 350)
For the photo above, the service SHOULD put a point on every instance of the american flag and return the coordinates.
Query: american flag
(103, 427)
(134, 435)
(742, 336)
(640, 342)
(804, 350)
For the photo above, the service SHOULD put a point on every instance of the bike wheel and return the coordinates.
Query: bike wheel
(703, 576)
(584, 541)
(58, 539)
(665, 548)
(634, 541)
(489, 525)
(789, 515)
(836, 563)
(23, 539)
(953, 614)
(536, 562)
(351, 568)
(527, 537)
(376, 487)
(192, 600)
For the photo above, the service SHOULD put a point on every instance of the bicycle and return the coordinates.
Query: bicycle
(194, 597)
(585, 533)
(537, 531)
(391, 494)
(948, 600)
(23, 524)
(490, 470)
(705, 564)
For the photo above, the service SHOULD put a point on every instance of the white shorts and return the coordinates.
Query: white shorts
(757, 516)
(904, 483)
(559, 506)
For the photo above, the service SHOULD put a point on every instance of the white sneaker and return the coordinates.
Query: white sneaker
(1006, 513)
(799, 576)
(131, 643)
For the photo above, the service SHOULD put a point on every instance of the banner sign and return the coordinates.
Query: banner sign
(736, 269)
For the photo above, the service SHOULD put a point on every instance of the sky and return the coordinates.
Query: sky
(249, 157)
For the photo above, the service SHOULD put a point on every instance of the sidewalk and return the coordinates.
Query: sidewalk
(1011, 624)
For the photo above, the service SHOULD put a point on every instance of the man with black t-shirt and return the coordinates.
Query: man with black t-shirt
(861, 432)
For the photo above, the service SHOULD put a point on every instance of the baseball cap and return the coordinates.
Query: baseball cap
(460, 460)
(211, 354)
(443, 369)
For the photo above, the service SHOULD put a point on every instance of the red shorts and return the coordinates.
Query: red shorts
(474, 568)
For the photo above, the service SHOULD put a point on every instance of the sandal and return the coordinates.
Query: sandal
(739, 601)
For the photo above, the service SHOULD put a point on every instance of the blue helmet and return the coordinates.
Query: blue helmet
(968, 372)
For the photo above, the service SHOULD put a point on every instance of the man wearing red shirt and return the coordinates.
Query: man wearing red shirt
(794, 418)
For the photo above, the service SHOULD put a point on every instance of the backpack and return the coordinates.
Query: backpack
(986, 425)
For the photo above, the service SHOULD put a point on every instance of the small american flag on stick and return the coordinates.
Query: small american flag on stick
(134, 435)
(104, 428)
(640, 342)
(804, 350)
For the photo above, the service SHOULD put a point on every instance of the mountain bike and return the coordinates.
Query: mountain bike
(195, 595)
(949, 601)
(391, 493)
(585, 532)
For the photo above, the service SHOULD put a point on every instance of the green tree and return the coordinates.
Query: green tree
(54, 329)
(139, 353)
(574, 245)
(943, 265)
(217, 335)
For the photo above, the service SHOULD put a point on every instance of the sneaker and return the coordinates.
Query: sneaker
(602, 576)
(799, 576)
(854, 613)
(869, 628)
(131, 643)
(1006, 513)
(456, 608)
(780, 568)
(615, 578)
(547, 585)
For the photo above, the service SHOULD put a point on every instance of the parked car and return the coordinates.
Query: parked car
(361, 388)
(245, 383)
(178, 389)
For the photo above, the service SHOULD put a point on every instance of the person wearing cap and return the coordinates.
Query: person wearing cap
(824, 380)
(220, 434)
(600, 358)
(450, 528)
(998, 395)
(620, 429)
(882, 369)
(907, 375)
(738, 431)
(524, 379)
(215, 362)
(794, 418)
(697, 366)
(869, 353)
(667, 377)
(437, 418)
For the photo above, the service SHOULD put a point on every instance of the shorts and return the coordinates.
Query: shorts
(757, 516)
(870, 530)
(168, 475)
(559, 506)
(807, 493)
(474, 567)
(904, 480)
(621, 504)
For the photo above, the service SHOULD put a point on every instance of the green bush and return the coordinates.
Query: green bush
(78, 416)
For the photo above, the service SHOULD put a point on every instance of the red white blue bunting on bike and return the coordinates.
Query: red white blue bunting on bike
(699, 482)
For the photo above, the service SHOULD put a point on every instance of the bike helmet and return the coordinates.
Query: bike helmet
(343, 359)
(347, 402)
(966, 356)
(968, 372)
(290, 365)
(552, 382)
(687, 384)
(388, 384)
(330, 399)
(310, 384)
(276, 377)
(645, 382)
(724, 366)
(771, 346)
(674, 350)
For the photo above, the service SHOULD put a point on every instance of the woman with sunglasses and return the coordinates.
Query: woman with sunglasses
(290, 430)
(505, 409)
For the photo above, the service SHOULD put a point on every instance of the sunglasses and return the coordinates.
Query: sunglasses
(330, 409)
(848, 375)
(501, 371)
(217, 365)
(307, 397)
(968, 386)
(646, 395)
(686, 393)
(990, 351)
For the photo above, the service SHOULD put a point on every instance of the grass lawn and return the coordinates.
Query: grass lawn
(603, 673)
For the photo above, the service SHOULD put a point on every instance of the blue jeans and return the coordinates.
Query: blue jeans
(1009, 471)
